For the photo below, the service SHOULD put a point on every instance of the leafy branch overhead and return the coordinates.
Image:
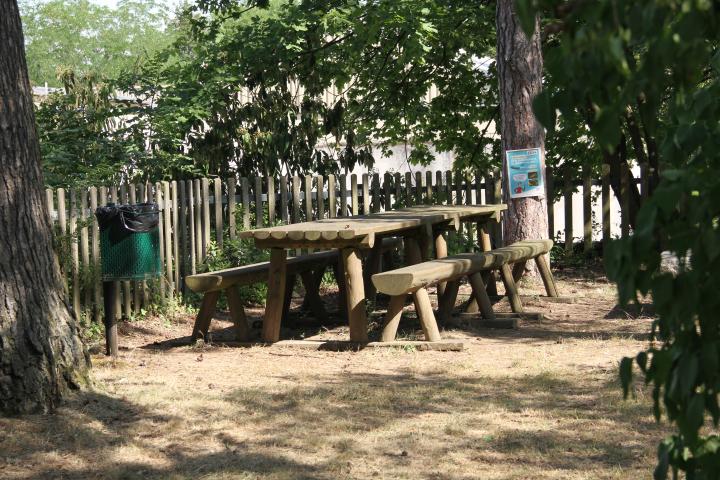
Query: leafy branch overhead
(643, 77)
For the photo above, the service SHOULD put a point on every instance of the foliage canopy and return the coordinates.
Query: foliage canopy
(651, 69)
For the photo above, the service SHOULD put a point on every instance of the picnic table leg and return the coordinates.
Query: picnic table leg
(355, 293)
(373, 266)
(275, 295)
(440, 252)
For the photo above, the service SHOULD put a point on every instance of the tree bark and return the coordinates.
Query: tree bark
(41, 356)
(519, 64)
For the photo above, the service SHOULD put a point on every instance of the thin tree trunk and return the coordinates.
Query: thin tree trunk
(519, 63)
(41, 356)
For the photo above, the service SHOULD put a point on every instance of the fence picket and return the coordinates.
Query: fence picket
(126, 288)
(308, 198)
(550, 186)
(320, 197)
(74, 254)
(245, 198)
(206, 215)
(176, 231)
(605, 195)
(366, 193)
(259, 214)
(219, 227)
(568, 189)
(95, 239)
(387, 192)
(331, 196)
(587, 212)
(408, 189)
(375, 204)
(428, 187)
(343, 196)
(191, 226)
(232, 227)
(284, 200)
(354, 193)
(418, 188)
(271, 199)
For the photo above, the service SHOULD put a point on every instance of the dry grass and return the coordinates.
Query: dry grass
(539, 402)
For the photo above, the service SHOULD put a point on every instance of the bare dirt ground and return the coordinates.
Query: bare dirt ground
(542, 401)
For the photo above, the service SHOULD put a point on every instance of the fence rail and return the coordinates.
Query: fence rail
(197, 213)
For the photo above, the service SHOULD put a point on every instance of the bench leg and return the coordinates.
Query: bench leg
(486, 246)
(205, 314)
(446, 302)
(511, 289)
(312, 301)
(413, 255)
(546, 275)
(426, 316)
(275, 296)
(289, 287)
(372, 267)
(481, 296)
(518, 270)
(237, 314)
(392, 318)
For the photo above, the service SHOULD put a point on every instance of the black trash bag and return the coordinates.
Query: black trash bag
(123, 220)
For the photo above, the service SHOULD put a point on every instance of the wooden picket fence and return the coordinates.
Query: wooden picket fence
(196, 212)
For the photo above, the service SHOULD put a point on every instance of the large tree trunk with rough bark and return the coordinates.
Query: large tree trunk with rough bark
(41, 356)
(519, 64)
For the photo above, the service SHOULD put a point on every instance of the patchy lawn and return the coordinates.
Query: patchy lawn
(542, 401)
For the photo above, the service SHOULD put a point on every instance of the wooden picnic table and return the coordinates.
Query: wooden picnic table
(421, 226)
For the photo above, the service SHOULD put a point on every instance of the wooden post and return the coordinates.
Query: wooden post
(271, 200)
(183, 234)
(387, 191)
(511, 289)
(355, 294)
(296, 199)
(205, 314)
(568, 216)
(74, 253)
(429, 188)
(62, 223)
(392, 318)
(418, 188)
(176, 231)
(308, 198)
(97, 285)
(284, 212)
(546, 275)
(398, 189)
(408, 189)
(230, 184)
(237, 315)
(354, 194)
(446, 302)
(199, 257)
(245, 199)
(343, 196)
(191, 226)
(426, 315)
(110, 292)
(550, 186)
(372, 267)
(259, 212)
(275, 295)
(625, 175)
(375, 206)
(161, 238)
(481, 296)
(332, 206)
(587, 212)
(366, 193)
(440, 188)
(320, 197)
(167, 225)
(206, 215)
(606, 203)
(219, 227)
(440, 252)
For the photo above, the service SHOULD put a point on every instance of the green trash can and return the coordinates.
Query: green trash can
(129, 241)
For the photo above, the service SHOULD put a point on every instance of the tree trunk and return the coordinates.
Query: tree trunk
(519, 64)
(41, 356)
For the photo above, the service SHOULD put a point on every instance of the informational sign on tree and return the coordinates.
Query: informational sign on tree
(525, 172)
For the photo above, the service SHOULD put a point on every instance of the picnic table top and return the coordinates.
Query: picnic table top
(357, 227)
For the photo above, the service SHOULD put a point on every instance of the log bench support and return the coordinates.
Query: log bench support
(477, 267)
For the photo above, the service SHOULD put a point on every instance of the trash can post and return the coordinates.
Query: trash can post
(110, 294)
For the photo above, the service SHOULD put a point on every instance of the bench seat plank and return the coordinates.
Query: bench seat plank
(410, 278)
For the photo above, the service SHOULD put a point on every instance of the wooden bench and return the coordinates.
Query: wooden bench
(310, 268)
(414, 280)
